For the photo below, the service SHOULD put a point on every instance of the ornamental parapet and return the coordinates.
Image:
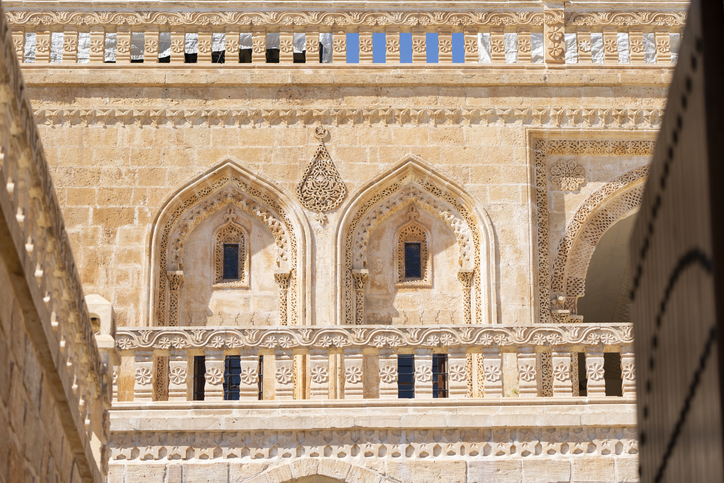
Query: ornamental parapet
(334, 34)
(375, 362)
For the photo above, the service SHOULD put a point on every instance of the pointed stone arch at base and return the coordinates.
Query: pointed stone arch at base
(309, 467)
(414, 181)
(612, 202)
(227, 184)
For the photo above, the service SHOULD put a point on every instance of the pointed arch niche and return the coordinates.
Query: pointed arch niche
(228, 205)
(613, 202)
(414, 201)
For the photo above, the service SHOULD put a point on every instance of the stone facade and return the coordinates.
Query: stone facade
(504, 171)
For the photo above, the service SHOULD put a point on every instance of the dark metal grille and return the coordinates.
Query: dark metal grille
(439, 376)
(232, 378)
(260, 382)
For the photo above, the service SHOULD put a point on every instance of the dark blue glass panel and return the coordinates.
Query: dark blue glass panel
(413, 264)
(231, 261)
(406, 376)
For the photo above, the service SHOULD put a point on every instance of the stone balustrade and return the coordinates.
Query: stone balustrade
(340, 362)
(540, 35)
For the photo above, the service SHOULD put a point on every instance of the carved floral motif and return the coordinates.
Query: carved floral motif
(567, 175)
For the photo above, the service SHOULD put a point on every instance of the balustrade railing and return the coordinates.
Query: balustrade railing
(550, 36)
(338, 362)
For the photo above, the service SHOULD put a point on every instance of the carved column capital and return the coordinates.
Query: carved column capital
(282, 278)
(360, 277)
(175, 280)
(466, 278)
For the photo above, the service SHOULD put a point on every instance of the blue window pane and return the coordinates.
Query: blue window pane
(431, 47)
(353, 48)
(458, 47)
(231, 261)
(406, 48)
(406, 376)
(379, 47)
(413, 265)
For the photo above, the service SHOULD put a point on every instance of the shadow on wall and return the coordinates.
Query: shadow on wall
(608, 278)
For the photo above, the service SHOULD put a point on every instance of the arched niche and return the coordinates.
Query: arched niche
(616, 200)
(450, 210)
(183, 239)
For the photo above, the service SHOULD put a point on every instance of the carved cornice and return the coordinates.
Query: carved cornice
(164, 338)
(218, 19)
(596, 117)
(669, 19)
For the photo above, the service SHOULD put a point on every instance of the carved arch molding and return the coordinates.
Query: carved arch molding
(222, 187)
(415, 184)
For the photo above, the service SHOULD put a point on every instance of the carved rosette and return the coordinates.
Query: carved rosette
(360, 277)
(321, 188)
(567, 175)
(282, 279)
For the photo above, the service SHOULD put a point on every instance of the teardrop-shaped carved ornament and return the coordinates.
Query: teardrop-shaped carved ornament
(321, 188)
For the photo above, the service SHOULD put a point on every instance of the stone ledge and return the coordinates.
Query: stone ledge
(377, 75)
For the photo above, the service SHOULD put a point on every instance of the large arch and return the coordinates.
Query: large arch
(227, 183)
(331, 469)
(612, 202)
(414, 181)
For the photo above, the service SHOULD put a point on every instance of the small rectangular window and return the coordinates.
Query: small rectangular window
(439, 375)
(232, 378)
(612, 373)
(413, 264)
(199, 377)
(231, 261)
(406, 376)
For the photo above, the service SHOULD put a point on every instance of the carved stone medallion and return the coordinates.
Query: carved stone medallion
(321, 188)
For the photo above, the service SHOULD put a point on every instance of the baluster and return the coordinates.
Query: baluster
(492, 372)
(18, 34)
(472, 55)
(457, 374)
(562, 384)
(284, 375)
(393, 45)
(179, 382)
(527, 372)
(214, 387)
(97, 45)
(249, 375)
(596, 385)
(143, 386)
(205, 46)
(42, 46)
(628, 372)
(319, 374)
(444, 45)
(524, 45)
(583, 37)
(353, 374)
(286, 44)
(258, 42)
(388, 374)
(232, 45)
(365, 45)
(150, 44)
(663, 45)
(312, 36)
(497, 45)
(338, 52)
(70, 45)
(636, 43)
(123, 45)
(423, 373)
(610, 45)
(419, 45)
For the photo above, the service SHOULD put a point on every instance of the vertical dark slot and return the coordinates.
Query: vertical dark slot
(439, 376)
(245, 56)
(199, 379)
(260, 380)
(232, 378)
(406, 376)
(300, 57)
(582, 378)
(190, 58)
(272, 56)
(218, 57)
(612, 372)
